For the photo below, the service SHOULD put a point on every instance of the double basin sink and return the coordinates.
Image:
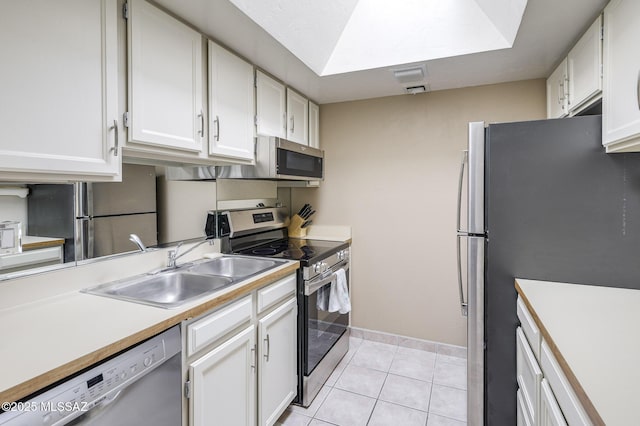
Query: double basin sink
(174, 287)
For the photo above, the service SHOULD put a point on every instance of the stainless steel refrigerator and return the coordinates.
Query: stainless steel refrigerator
(543, 201)
(95, 219)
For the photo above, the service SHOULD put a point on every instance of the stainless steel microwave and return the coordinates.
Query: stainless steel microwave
(278, 158)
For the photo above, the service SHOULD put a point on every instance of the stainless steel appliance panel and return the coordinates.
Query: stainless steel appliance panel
(135, 194)
(278, 158)
(103, 236)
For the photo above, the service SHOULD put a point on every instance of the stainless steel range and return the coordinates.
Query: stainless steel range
(323, 337)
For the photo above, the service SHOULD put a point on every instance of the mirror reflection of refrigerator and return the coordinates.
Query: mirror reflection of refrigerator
(95, 219)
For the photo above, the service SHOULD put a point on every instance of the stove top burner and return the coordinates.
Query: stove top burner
(295, 249)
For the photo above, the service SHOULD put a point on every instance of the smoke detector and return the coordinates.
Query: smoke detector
(413, 74)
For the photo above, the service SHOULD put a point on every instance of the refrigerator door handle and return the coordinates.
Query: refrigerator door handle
(465, 156)
(463, 304)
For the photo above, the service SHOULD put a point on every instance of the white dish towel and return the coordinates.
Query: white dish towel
(338, 298)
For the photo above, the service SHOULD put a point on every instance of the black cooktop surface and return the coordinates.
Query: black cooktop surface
(306, 251)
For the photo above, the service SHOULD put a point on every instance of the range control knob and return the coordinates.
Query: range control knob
(317, 268)
(147, 361)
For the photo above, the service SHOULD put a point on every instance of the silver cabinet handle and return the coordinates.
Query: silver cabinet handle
(201, 131)
(293, 123)
(116, 142)
(638, 90)
(266, 352)
(253, 357)
(217, 135)
(566, 92)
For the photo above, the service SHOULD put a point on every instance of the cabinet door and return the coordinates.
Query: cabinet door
(556, 92)
(621, 94)
(224, 383)
(270, 106)
(550, 413)
(231, 105)
(58, 84)
(297, 118)
(277, 381)
(585, 67)
(165, 80)
(314, 125)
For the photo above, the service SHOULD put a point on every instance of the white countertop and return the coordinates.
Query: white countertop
(51, 330)
(595, 329)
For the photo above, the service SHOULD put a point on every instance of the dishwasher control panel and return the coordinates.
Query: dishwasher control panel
(99, 385)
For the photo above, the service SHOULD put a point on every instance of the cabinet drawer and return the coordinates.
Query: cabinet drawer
(211, 328)
(523, 416)
(550, 413)
(280, 290)
(529, 375)
(529, 327)
(567, 399)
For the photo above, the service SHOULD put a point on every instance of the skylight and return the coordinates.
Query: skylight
(340, 36)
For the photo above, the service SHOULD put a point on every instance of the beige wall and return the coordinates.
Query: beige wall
(391, 173)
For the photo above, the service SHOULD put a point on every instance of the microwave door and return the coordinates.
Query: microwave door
(299, 165)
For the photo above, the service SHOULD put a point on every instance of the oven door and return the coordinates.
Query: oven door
(300, 162)
(322, 329)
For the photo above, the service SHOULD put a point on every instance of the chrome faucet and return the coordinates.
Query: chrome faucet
(137, 241)
(173, 255)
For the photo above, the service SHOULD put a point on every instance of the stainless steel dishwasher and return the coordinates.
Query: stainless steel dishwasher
(141, 386)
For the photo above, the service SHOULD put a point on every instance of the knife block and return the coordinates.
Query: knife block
(295, 227)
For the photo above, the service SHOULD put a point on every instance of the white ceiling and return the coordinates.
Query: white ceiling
(547, 31)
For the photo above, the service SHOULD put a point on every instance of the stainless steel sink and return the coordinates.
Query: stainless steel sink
(234, 266)
(167, 290)
(175, 287)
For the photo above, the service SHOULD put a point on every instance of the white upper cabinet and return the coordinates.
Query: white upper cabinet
(585, 67)
(297, 118)
(165, 80)
(557, 99)
(621, 93)
(270, 106)
(231, 105)
(314, 125)
(59, 90)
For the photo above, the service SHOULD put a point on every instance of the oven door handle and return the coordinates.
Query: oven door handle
(313, 286)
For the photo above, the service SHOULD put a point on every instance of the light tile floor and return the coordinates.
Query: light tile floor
(380, 384)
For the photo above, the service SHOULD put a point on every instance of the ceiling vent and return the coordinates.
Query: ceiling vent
(414, 90)
(410, 75)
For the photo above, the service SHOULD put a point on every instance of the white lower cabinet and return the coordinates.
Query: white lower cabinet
(529, 375)
(278, 352)
(224, 383)
(550, 413)
(241, 366)
(545, 396)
